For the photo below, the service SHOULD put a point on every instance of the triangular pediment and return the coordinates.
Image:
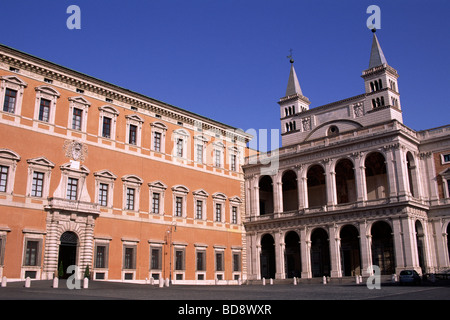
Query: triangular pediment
(157, 185)
(134, 117)
(15, 80)
(200, 193)
(105, 174)
(132, 179)
(180, 188)
(41, 161)
(80, 100)
(219, 196)
(48, 90)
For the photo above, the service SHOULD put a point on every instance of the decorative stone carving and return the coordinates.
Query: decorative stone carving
(75, 150)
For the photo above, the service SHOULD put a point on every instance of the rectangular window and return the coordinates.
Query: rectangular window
(37, 184)
(217, 158)
(219, 261)
(448, 186)
(129, 258)
(201, 260)
(76, 118)
(157, 141)
(103, 194)
(72, 188)
(155, 202)
(199, 209)
(199, 153)
(106, 128)
(236, 262)
(156, 259)
(101, 253)
(179, 259)
(178, 206)
(218, 212)
(132, 139)
(233, 162)
(31, 253)
(9, 104)
(446, 158)
(130, 199)
(234, 215)
(3, 178)
(44, 110)
(179, 147)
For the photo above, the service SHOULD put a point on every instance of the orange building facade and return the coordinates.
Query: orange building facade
(98, 176)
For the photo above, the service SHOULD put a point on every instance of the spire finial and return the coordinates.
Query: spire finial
(290, 57)
(374, 30)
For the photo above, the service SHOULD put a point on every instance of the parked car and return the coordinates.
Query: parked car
(409, 276)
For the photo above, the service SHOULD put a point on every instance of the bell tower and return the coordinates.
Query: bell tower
(293, 103)
(380, 79)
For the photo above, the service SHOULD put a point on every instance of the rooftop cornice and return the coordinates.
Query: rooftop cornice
(379, 69)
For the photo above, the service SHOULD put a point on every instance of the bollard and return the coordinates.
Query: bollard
(4, 282)
(55, 282)
(324, 280)
(167, 282)
(357, 279)
(264, 281)
(360, 279)
(161, 283)
(295, 281)
(27, 282)
(85, 283)
(152, 281)
(271, 281)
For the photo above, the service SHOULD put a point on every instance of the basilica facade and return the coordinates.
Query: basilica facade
(351, 187)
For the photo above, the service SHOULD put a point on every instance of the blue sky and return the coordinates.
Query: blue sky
(226, 59)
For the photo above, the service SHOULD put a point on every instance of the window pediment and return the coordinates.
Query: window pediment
(68, 167)
(134, 117)
(80, 100)
(159, 125)
(15, 80)
(219, 196)
(132, 179)
(41, 161)
(48, 90)
(109, 109)
(235, 199)
(157, 185)
(200, 193)
(9, 155)
(180, 188)
(106, 174)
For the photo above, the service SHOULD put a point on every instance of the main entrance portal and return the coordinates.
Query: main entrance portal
(67, 253)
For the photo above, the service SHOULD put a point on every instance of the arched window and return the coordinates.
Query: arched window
(376, 177)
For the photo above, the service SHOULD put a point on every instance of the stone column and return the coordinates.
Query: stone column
(51, 249)
(277, 193)
(402, 171)
(410, 244)
(397, 229)
(391, 171)
(365, 244)
(360, 178)
(330, 180)
(305, 251)
(301, 189)
(279, 256)
(335, 252)
(255, 198)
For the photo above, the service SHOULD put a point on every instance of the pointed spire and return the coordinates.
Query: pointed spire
(376, 54)
(293, 86)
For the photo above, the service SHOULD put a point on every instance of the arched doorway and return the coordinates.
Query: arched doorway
(376, 177)
(267, 257)
(317, 193)
(350, 251)
(345, 181)
(292, 251)
(383, 247)
(320, 253)
(67, 252)
(265, 195)
(420, 239)
(290, 193)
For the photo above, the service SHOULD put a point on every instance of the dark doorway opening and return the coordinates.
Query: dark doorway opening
(267, 257)
(67, 253)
